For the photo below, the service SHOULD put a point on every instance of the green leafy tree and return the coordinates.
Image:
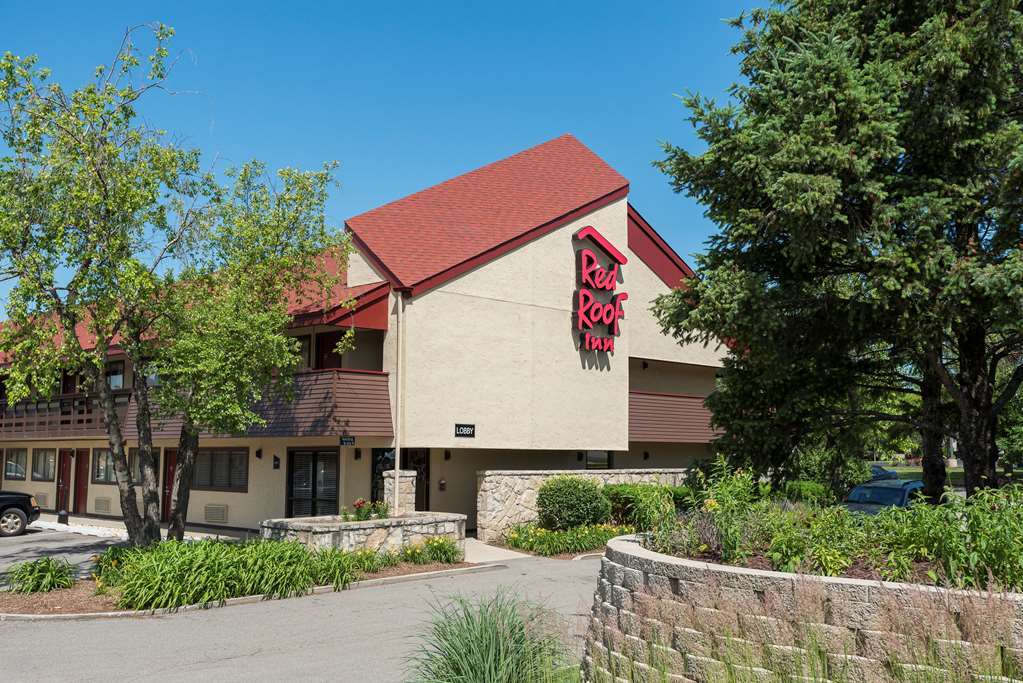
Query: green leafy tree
(865, 179)
(222, 346)
(115, 239)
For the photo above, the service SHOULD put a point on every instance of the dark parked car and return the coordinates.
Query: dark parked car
(877, 471)
(874, 496)
(17, 511)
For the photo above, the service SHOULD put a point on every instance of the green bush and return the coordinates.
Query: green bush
(173, 574)
(566, 502)
(442, 549)
(41, 576)
(497, 639)
(805, 491)
(641, 506)
(536, 539)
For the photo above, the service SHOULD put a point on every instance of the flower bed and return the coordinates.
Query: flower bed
(963, 543)
(173, 574)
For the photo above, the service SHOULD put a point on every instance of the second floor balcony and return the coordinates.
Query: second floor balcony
(64, 416)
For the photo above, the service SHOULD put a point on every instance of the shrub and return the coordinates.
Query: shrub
(566, 502)
(442, 549)
(578, 539)
(498, 639)
(41, 576)
(641, 506)
(809, 492)
(340, 569)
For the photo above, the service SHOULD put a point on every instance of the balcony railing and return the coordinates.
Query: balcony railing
(67, 415)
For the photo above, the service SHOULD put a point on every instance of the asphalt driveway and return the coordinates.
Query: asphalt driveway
(357, 635)
(36, 543)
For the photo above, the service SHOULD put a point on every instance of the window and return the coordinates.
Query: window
(115, 375)
(15, 464)
(44, 464)
(598, 460)
(221, 469)
(135, 467)
(103, 466)
(71, 382)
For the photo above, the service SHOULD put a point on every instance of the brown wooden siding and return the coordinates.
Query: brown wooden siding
(668, 418)
(66, 416)
(325, 403)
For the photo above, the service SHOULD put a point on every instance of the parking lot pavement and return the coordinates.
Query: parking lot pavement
(358, 635)
(36, 543)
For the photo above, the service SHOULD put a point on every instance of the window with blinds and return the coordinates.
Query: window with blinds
(221, 469)
(44, 464)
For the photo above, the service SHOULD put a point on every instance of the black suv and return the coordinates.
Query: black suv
(17, 511)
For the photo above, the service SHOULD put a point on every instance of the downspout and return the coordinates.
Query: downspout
(399, 391)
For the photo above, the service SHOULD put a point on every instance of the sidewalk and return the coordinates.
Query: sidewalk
(113, 528)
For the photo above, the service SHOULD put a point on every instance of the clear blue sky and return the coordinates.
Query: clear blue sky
(406, 95)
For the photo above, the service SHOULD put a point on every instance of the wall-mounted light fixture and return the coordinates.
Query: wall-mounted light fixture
(259, 454)
(447, 455)
(580, 456)
(646, 455)
(645, 365)
(358, 454)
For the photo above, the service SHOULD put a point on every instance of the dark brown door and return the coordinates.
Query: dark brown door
(170, 465)
(312, 482)
(418, 459)
(82, 475)
(64, 458)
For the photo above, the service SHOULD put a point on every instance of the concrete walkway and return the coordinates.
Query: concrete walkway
(358, 635)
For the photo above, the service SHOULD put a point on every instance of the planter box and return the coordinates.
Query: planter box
(378, 535)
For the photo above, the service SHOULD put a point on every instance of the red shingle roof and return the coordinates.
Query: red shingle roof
(479, 214)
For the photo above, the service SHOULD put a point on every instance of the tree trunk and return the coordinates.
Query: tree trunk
(976, 437)
(147, 462)
(188, 444)
(932, 434)
(115, 441)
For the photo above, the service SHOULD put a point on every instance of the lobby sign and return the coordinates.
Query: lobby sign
(598, 306)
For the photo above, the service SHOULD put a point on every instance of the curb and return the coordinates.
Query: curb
(250, 599)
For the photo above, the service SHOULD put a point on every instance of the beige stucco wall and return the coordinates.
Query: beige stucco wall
(360, 272)
(497, 347)
(266, 495)
(672, 378)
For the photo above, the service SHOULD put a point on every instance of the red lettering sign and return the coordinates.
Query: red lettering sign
(597, 306)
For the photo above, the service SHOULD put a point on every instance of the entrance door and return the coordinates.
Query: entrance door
(170, 465)
(418, 459)
(64, 458)
(313, 482)
(82, 475)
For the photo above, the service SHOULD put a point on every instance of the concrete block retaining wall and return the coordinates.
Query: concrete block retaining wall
(507, 498)
(662, 618)
(376, 534)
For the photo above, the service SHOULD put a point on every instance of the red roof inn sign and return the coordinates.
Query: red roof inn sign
(598, 308)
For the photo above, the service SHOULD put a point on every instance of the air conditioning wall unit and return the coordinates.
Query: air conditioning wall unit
(102, 506)
(215, 513)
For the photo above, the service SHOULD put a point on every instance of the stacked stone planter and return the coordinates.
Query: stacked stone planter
(662, 618)
(379, 535)
(507, 498)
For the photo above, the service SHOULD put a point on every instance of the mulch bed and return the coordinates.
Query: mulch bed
(82, 599)
(78, 599)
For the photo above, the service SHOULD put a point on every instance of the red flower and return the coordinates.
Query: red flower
(359, 503)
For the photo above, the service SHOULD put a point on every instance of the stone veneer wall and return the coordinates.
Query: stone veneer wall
(506, 498)
(662, 618)
(379, 535)
(406, 491)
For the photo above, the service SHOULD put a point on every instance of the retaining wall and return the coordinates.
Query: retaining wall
(662, 618)
(379, 535)
(507, 498)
